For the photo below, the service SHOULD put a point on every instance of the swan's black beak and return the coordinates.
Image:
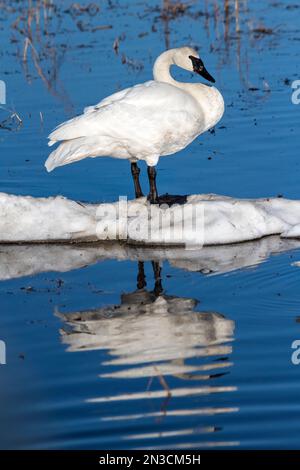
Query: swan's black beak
(199, 68)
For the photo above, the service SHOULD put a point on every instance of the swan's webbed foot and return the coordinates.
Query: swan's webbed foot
(171, 199)
(168, 199)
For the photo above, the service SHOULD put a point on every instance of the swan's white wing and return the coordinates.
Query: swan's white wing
(151, 104)
(69, 129)
(108, 100)
(149, 120)
(153, 120)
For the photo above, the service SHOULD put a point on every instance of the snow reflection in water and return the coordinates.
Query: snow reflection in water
(26, 260)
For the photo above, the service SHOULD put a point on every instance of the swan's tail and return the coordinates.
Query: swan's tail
(72, 151)
(71, 129)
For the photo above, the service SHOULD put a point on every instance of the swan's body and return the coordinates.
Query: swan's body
(157, 118)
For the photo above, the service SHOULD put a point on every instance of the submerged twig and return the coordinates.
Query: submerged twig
(7, 124)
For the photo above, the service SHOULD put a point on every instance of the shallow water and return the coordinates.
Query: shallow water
(204, 359)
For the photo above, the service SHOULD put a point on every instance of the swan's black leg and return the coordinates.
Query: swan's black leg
(153, 196)
(158, 289)
(135, 171)
(141, 278)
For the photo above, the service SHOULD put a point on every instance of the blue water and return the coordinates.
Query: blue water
(207, 363)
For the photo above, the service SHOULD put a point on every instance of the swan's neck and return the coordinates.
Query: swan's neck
(199, 91)
(161, 73)
(161, 69)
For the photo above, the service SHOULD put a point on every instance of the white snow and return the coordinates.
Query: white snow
(28, 219)
(203, 220)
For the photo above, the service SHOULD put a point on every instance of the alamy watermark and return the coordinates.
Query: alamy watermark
(2, 92)
(142, 222)
(296, 93)
(2, 352)
(295, 358)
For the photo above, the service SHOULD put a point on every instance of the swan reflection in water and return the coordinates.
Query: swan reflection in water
(156, 337)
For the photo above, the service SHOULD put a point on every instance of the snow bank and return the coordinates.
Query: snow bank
(28, 219)
(202, 220)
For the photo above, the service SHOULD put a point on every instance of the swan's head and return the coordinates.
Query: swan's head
(187, 58)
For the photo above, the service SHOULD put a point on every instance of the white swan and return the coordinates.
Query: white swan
(157, 118)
